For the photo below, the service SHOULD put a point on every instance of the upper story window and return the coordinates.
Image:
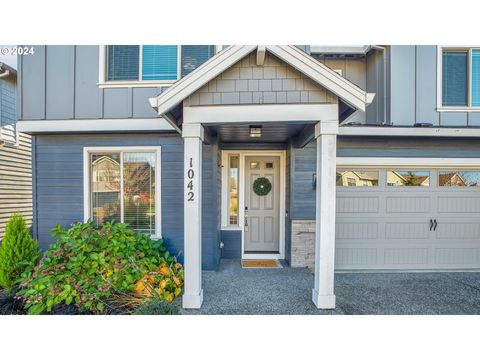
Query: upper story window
(162, 64)
(142, 62)
(460, 73)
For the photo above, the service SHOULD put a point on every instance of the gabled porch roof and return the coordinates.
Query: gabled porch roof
(167, 103)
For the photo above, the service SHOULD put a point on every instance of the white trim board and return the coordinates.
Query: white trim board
(408, 162)
(158, 179)
(93, 125)
(231, 114)
(346, 49)
(293, 56)
(241, 199)
(407, 131)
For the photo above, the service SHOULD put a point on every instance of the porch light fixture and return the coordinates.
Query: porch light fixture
(255, 130)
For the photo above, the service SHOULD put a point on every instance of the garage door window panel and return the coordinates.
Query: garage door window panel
(357, 178)
(408, 178)
(459, 178)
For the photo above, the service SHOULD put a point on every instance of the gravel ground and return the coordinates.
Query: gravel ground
(233, 290)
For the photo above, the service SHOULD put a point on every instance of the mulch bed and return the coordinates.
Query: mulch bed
(10, 306)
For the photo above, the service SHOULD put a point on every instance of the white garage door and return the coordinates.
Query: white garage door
(408, 219)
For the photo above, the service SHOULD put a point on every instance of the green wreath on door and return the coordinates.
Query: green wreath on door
(262, 186)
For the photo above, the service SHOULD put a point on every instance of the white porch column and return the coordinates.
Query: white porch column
(193, 137)
(322, 293)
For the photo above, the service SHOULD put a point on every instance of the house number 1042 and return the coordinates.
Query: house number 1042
(190, 176)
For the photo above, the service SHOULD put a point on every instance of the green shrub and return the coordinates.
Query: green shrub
(158, 307)
(17, 252)
(90, 266)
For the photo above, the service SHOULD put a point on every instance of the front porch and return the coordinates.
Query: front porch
(233, 290)
(275, 95)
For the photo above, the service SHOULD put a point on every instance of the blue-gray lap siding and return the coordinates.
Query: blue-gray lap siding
(58, 186)
(232, 244)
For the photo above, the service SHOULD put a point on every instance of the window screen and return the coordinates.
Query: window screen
(123, 62)
(455, 78)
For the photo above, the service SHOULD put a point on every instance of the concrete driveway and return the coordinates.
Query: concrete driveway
(233, 290)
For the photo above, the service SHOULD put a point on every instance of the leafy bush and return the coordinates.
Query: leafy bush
(158, 307)
(89, 266)
(17, 252)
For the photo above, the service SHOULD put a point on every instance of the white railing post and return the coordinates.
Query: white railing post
(323, 291)
(193, 137)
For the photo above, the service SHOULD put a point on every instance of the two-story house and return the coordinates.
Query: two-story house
(347, 158)
(15, 155)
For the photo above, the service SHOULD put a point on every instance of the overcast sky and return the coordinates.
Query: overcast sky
(8, 59)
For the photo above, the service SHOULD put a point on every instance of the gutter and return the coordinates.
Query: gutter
(384, 50)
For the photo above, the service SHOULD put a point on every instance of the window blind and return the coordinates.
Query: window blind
(475, 77)
(123, 62)
(159, 62)
(139, 191)
(455, 78)
(195, 55)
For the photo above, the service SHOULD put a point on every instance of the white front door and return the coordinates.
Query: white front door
(262, 204)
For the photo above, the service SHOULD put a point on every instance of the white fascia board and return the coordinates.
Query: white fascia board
(347, 49)
(407, 162)
(407, 131)
(264, 113)
(93, 125)
(196, 79)
(322, 75)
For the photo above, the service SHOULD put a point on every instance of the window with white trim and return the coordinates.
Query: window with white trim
(153, 63)
(233, 172)
(123, 186)
(460, 72)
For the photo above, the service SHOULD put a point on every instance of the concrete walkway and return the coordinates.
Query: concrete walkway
(233, 290)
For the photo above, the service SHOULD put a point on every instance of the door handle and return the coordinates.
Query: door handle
(435, 225)
(431, 224)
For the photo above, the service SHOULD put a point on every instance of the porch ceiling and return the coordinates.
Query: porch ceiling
(271, 133)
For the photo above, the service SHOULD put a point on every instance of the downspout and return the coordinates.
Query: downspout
(384, 50)
(5, 73)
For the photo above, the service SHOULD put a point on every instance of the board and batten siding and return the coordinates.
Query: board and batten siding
(59, 82)
(16, 181)
(413, 89)
(59, 186)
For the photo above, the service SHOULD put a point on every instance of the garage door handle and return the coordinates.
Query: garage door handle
(435, 226)
(431, 224)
